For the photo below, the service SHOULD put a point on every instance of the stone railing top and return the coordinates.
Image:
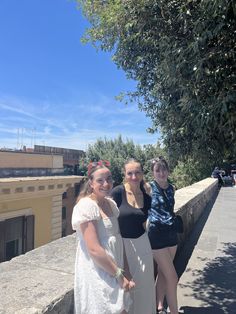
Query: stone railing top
(41, 178)
(32, 282)
(193, 192)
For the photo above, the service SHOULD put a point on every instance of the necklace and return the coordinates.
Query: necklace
(135, 199)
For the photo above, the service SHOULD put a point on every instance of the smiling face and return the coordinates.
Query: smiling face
(133, 173)
(101, 182)
(160, 173)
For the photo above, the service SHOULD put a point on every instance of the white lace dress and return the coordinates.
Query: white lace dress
(95, 291)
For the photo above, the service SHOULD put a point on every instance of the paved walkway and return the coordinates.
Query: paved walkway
(208, 260)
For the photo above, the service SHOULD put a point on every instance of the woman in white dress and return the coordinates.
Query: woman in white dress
(100, 286)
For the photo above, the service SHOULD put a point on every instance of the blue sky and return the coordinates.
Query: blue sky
(54, 90)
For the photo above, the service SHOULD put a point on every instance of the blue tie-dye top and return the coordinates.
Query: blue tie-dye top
(160, 211)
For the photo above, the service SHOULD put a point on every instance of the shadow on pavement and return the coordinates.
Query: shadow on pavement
(215, 284)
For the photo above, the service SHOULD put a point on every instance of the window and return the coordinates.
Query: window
(63, 213)
(77, 189)
(16, 236)
(63, 217)
(64, 195)
(12, 249)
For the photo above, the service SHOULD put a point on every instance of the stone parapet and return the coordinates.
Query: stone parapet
(191, 201)
(41, 281)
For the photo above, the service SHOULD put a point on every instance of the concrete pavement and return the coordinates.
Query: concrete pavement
(207, 262)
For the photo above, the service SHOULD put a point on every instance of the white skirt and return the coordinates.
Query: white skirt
(140, 260)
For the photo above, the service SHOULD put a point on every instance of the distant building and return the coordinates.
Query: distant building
(68, 201)
(31, 212)
(71, 157)
(36, 200)
(28, 164)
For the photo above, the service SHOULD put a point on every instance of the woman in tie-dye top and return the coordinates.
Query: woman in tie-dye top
(163, 236)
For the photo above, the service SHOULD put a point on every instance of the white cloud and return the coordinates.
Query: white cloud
(69, 125)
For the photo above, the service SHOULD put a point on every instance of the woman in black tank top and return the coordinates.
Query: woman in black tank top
(134, 203)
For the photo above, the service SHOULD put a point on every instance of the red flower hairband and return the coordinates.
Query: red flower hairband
(93, 164)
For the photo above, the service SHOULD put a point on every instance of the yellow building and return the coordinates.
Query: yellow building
(31, 207)
(31, 212)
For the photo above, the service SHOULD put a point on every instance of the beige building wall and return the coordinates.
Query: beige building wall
(38, 196)
(30, 160)
(40, 207)
(57, 161)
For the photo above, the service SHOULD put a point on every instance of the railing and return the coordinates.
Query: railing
(41, 281)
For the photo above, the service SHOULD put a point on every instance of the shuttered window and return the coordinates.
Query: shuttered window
(2, 241)
(16, 236)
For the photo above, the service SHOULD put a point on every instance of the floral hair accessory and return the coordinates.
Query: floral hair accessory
(94, 164)
(160, 158)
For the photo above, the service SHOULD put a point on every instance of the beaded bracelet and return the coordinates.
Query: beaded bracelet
(119, 272)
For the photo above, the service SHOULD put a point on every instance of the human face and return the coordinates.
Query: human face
(133, 173)
(102, 182)
(160, 174)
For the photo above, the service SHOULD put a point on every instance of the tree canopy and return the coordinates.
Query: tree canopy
(182, 55)
(117, 151)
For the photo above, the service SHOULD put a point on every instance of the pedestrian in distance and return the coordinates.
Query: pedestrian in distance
(134, 203)
(100, 286)
(217, 174)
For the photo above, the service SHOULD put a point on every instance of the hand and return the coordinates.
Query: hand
(124, 283)
(131, 284)
(128, 274)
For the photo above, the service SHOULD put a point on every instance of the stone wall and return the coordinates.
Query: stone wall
(41, 281)
(191, 201)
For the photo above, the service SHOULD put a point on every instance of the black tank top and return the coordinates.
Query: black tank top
(131, 219)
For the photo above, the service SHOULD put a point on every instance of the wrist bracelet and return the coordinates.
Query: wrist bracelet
(119, 272)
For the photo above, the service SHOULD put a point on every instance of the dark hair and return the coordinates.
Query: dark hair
(160, 162)
(92, 167)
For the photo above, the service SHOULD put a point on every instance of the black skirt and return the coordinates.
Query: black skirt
(162, 236)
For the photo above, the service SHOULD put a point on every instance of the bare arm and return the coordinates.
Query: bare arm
(127, 271)
(98, 254)
(126, 266)
(96, 251)
(148, 190)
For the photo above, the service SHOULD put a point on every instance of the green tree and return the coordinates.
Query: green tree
(117, 151)
(182, 55)
(188, 172)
